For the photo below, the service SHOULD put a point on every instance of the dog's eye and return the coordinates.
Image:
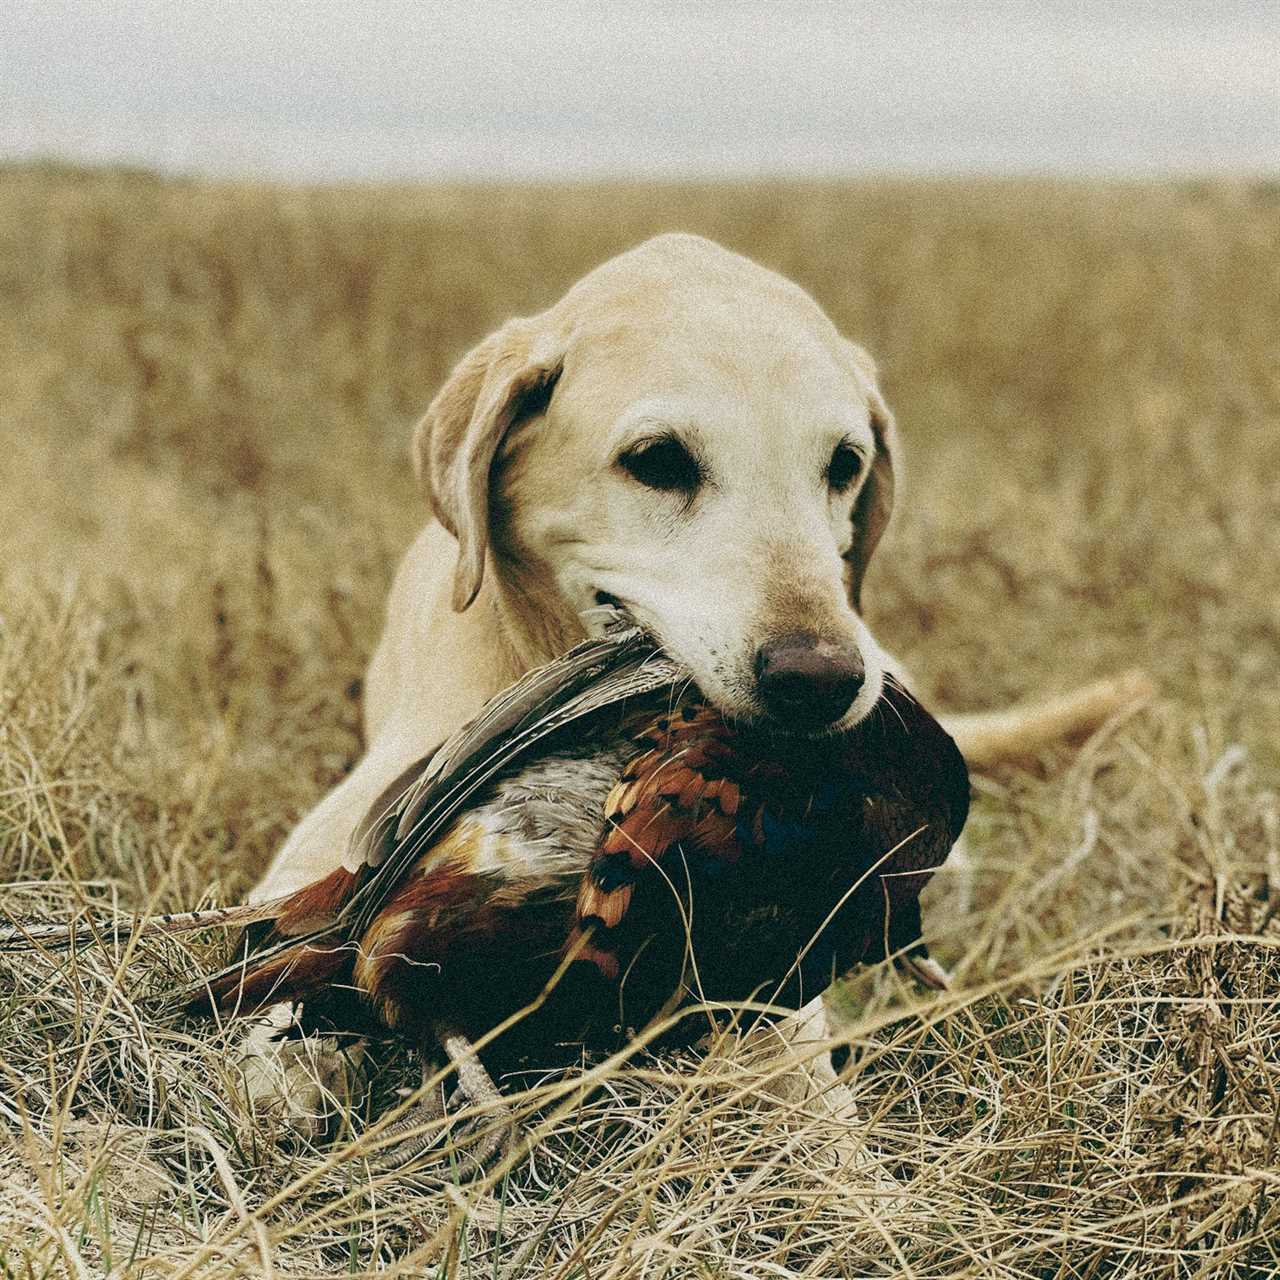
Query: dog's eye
(844, 467)
(663, 464)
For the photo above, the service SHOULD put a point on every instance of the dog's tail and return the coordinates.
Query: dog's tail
(988, 738)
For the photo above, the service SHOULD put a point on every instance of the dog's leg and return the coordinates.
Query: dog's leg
(405, 716)
(276, 1061)
(814, 1084)
(300, 1081)
(807, 1035)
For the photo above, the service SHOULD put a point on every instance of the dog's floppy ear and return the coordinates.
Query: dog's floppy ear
(874, 506)
(455, 444)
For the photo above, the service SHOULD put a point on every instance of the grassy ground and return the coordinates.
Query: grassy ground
(205, 396)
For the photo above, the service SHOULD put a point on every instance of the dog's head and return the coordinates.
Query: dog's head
(685, 433)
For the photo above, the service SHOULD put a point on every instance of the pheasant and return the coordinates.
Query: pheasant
(601, 847)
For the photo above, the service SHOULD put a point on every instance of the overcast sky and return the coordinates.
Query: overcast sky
(571, 88)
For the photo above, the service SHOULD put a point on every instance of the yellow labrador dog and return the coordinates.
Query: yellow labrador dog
(686, 433)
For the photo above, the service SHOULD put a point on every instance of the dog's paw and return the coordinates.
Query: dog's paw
(301, 1082)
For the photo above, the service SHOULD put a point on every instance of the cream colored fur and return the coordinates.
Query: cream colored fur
(519, 454)
(534, 516)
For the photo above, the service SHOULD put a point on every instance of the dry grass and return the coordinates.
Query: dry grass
(205, 394)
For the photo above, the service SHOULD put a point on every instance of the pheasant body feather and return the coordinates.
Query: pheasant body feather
(614, 832)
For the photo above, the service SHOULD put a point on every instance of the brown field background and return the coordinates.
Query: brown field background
(206, 393)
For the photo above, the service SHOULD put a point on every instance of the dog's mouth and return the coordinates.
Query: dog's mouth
(609, 616)
(611, 612)
(614, 611)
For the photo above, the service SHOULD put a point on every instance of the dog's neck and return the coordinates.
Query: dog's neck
(513, 625)
(528, 614)
(457, 661)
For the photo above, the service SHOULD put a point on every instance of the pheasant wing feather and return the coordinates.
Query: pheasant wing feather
(410, 816)
(420, 804)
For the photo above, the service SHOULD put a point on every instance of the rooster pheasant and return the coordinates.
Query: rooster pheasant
(601, 846)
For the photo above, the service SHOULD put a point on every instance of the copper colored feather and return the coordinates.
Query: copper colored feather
(601, 824)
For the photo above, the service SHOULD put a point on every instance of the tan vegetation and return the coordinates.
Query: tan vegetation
(205, 398)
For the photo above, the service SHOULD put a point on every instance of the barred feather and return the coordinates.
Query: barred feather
(90, 930)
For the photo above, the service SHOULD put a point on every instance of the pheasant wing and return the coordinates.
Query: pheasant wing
(414, 811)
(405, 822)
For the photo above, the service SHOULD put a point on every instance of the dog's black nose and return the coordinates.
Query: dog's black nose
(807, 682)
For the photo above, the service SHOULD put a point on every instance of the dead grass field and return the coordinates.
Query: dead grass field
(205, 399)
